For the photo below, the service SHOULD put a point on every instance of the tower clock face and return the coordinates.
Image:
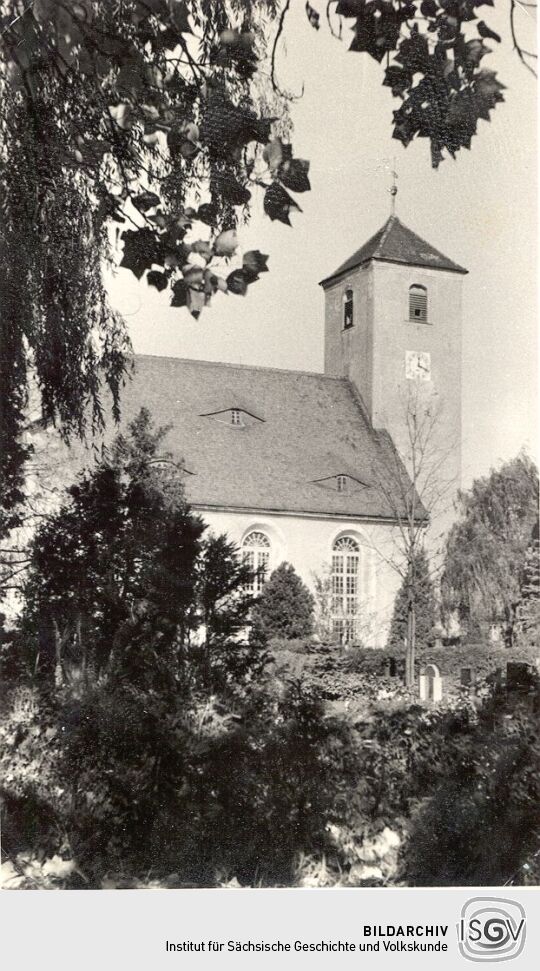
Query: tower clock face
(418, 365)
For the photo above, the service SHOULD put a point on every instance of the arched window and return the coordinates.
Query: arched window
(256, 555)
(345, 588)
(418, 303)
(348, 309)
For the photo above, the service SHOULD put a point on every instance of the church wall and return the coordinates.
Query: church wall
(307, 542)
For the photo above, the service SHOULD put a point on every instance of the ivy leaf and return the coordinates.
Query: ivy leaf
(429, 8)
(157, 279)
(237, 282)
(312, 16)
(253, 263)
(278, 203)
(145, 201)
(486, 31)
(294, 174)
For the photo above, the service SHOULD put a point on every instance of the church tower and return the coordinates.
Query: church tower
(392, 327)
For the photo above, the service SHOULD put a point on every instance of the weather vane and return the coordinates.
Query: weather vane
(385, 164)
(393, 188)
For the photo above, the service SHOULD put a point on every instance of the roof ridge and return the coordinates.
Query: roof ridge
(228, 364)
(384, 235)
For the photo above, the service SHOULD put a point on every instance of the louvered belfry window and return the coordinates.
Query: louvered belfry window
(418, 303)
(348, 309)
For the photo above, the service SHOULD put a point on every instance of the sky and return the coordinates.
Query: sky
(480, 210)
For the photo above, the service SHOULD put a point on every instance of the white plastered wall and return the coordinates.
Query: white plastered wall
(306, 542)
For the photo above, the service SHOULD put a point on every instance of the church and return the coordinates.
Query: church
(292, 464)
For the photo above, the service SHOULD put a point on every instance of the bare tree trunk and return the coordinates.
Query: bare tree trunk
(410, 654)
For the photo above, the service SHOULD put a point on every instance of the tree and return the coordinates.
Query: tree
(142, 114)
(486, 555)
(425, 607)
(433, 52)
(417, 484)
(121, 576)
(529, 608)
(285, 606)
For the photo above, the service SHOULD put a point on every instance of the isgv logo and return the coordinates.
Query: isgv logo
(491, 929)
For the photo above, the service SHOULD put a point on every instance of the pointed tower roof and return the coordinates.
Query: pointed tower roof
(395, 243)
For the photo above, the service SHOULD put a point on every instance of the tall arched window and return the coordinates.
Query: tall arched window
(345, 588)
(348, 309)
(418, 303)
(256, 554)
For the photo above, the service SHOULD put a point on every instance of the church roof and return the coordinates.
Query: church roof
(395, 243)
(312, 427)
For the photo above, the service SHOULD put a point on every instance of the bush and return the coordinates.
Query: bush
(285, 606)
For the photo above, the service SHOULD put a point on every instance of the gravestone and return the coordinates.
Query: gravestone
(430, 683)
(467, 680)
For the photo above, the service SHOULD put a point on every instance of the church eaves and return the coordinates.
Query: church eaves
(395, 243)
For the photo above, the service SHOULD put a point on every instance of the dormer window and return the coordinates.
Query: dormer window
(418, 303)
(342, 483)
(348, 309)
(237, 417)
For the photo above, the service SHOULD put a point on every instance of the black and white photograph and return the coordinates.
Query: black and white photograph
(269, 496)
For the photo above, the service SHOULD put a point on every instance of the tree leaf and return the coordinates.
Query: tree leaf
(278, 203)
(486, 31)
(312, 16)
(141, 249)
(226, 243)
(157, 279)
(253, 263)
(274, 154)
(179, 298)
(237, 282)
(145, 201)
(294, 174)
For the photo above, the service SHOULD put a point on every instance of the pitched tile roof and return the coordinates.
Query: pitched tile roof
(314, 426)
(395, 243)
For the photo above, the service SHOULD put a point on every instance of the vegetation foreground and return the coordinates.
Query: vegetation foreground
(154, 732)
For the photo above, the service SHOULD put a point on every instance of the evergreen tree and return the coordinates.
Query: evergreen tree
(285, 607)
(425, 607)
(122, 577)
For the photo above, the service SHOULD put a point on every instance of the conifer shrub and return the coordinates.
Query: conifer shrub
(285, 607)
(425, 605)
